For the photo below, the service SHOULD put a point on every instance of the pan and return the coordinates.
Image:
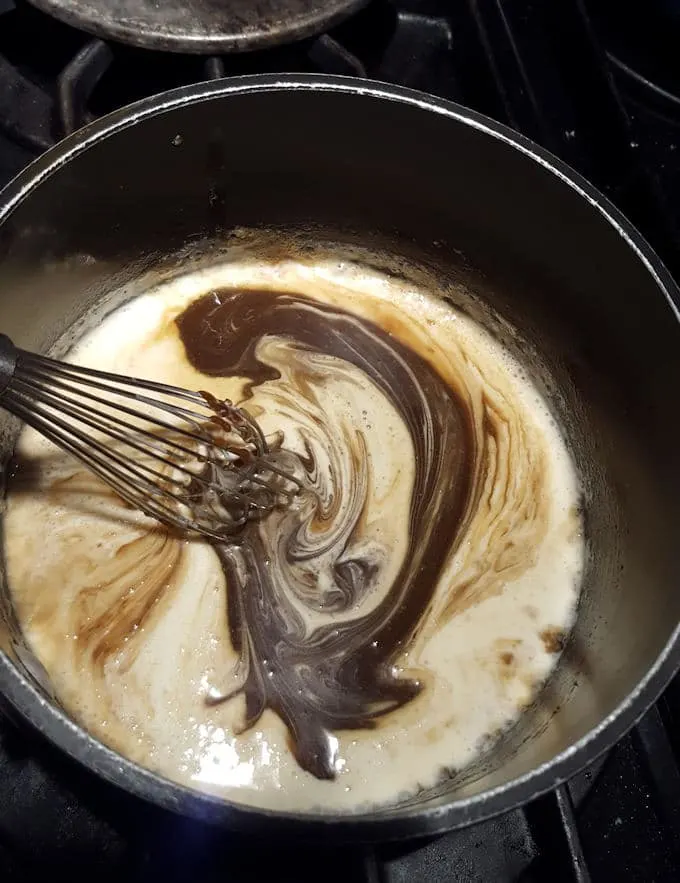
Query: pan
(592, 314)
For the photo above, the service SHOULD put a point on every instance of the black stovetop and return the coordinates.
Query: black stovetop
(590, 81)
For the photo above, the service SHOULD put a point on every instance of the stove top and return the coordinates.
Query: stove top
(590, 82)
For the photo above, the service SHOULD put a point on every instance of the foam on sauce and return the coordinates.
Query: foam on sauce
(133, 626)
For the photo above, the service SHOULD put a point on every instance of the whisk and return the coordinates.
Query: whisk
(185, 458)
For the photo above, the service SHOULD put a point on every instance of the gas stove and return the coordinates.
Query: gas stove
(587, 81)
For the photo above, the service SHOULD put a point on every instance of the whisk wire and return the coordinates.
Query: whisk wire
(182, 457)
(98, 458)
(118, 385)
(75, 410)
(93, 377)
(190, 416)
(58, 432)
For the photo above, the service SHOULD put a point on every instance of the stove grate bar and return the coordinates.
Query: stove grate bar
(78, 80)
(552, 822)
(652, 738)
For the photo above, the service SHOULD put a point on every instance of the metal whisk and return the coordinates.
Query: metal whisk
(184, 458)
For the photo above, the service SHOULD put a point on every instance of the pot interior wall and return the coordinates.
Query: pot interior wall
(594, 326)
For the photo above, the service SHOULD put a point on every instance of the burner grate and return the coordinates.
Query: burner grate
(54, 94)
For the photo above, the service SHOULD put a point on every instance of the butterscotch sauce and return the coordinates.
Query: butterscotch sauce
(355, 646)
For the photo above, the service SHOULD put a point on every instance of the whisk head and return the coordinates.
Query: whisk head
(184, 458)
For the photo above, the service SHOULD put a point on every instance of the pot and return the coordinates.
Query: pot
(594, 322)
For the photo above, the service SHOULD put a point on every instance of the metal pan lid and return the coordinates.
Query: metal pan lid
(201, 26)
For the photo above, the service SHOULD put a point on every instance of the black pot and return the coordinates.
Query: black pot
(365, 162)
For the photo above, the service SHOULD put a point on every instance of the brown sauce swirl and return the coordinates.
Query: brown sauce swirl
(335, 675)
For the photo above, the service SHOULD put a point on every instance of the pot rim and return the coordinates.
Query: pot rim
(389, 823)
